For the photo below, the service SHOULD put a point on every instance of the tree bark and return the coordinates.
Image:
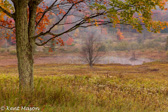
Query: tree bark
(91, 64)
(24, 46)
(166, 48)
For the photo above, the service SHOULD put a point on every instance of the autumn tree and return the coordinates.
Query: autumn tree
(120, 35)
(28, 18)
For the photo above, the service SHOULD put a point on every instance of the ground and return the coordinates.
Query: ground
(78, 88)
(62, 58)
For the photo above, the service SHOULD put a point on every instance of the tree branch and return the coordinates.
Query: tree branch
(6, 12)
(84, 20)
(63, 16)
(45, 13)
(49, 31)
(7, 27)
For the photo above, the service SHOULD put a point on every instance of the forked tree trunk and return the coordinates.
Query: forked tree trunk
(23, 46)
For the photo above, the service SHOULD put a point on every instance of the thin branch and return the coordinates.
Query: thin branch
(57, 35)
(69, 30)
(7, 27)
(49, 31)
(45, 13)
(6, 12)
(62, 17)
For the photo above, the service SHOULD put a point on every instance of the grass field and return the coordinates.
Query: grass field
(77, 88)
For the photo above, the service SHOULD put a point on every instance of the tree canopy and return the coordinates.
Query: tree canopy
(73, 14)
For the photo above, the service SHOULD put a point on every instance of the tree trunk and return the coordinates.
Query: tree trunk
(23, 46)
(91, 64)
(166, 44)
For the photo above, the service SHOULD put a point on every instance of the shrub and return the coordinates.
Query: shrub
(75, 50)
(13, 52)
(2, 50)
(102, 48)
(133, 46)
(160, 39)
(122, 46)
(73, 44)
(151, 44)
(46, 50)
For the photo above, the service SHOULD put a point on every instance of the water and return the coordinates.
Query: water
(123, 60)
(103, 60)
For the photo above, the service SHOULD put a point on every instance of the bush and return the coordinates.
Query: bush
(122, 46)
(102, 48)
(151, 44)
(75, 50)
(46, 50)
(133, 46)
(13, 52)
(72, 45)
(2, 50)
(62, 50)
(160, 39)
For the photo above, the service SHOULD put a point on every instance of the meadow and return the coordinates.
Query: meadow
(65, 83)
(78, 88)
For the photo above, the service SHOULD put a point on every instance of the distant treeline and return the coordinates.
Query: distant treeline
(128, 28)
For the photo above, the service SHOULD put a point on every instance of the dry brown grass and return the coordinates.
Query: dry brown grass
(105, 88)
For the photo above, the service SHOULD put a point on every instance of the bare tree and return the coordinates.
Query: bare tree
(90, 52)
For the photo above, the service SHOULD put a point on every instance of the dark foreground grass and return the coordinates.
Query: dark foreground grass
(76, 88)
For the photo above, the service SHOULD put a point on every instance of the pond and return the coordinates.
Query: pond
(104, 60)
(124, 60)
